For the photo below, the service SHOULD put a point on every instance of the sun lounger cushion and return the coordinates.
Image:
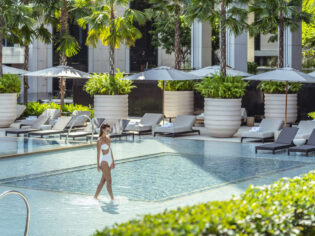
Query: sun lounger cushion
(78, 118)
(181, 123)
(305, 128)
(146, 122)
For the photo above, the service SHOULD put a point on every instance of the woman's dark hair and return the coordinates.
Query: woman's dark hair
(103, 126)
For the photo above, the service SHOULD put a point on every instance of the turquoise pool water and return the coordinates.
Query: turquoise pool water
(156, 177)
(21, 145)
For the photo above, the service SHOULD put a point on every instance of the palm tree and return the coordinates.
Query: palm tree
(272, 16)
(176, 9)
(112, 30)
(11, 13)
(26, 32)
(231, 15)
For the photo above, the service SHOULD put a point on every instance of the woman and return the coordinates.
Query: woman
(107, 161)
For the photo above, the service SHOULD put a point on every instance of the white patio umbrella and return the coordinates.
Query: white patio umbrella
(286, 75)
(312, 74)
(62, 72)
(210, 70)
(12, 70)
(163, 73)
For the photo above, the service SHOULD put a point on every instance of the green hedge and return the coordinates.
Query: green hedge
(36, 108)
(274, 87)
(187, 85)
(286, 207)
(10, 84)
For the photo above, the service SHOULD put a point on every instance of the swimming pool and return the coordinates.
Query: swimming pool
(157, 177)
(22, 145)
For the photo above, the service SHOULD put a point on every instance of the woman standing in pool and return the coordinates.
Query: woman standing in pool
(107, 161)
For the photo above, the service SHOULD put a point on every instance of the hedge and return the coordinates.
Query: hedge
(36, 108)
(286, 207)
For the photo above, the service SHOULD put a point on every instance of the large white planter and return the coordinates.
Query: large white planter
(222, 116)
(275, 106)
(178, 103)
(111, 106)
(8, 108)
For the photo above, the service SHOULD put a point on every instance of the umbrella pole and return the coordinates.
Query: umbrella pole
(61, 93)
(163, 100)
(286, 103)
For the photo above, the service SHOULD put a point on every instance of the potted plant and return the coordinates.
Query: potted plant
(222, 109)
(10, 87)
(110, 95)
(275, 99)
(178, 97)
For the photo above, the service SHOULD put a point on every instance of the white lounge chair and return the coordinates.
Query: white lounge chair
(52, 114)
(78, 119)
(266, 130)
(146, 123)
(34, 127)
(182, 124)
(305, 129)
(58, 128)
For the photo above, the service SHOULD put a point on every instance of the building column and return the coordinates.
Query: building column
(293, 48)
(201, 45)
(236, 50)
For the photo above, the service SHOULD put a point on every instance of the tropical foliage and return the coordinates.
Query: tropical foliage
(312, 115)
(308, 35)
(272, 15)
(286, 207)
(10, 84)
(36, 108)
(171, 30)
(252, 67)
(186, 85)
(231, 14)
(112, 30)
(274, 87)
(106, 84)
(220, 86)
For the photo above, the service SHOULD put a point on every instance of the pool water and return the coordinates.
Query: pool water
(156, 177)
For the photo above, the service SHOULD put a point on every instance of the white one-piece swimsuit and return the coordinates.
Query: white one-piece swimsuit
(107, 157)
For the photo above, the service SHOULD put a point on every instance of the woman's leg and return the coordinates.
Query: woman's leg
(109, 181)
(102, 181)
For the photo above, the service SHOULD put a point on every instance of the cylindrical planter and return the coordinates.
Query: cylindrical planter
(8, 108)
(178, 103)
(111, 106)
(275, 107)
(222, 116)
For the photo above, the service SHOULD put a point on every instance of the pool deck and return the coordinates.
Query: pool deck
(61, 213)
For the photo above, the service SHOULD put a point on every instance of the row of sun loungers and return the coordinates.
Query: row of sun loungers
(285, 140)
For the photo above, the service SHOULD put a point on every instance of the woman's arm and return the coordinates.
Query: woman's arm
(113, 164)
(98, 154)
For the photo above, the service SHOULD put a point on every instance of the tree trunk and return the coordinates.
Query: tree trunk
(177, 41)
(112, 46)
(1, 48)
(26, 67)
(63, 57)
(223, 39)
(281, 40)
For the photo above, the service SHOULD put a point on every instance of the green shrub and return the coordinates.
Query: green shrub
(252, 68)
(36, 108)
(286, 207)
(186, 85)
(311, 115)
(220, 86)
(104, 84)
(274, 87)
(10, 84)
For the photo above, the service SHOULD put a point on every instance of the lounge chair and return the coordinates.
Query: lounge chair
(266, 130)
(305, 129)
(19, 111)
(78, 121)
(285, 140)
(52, 114)
(145, 124)
(306, 148)
(86, 131)
(34, 127)
(58, 128)
(182, 124)
(117, 129)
